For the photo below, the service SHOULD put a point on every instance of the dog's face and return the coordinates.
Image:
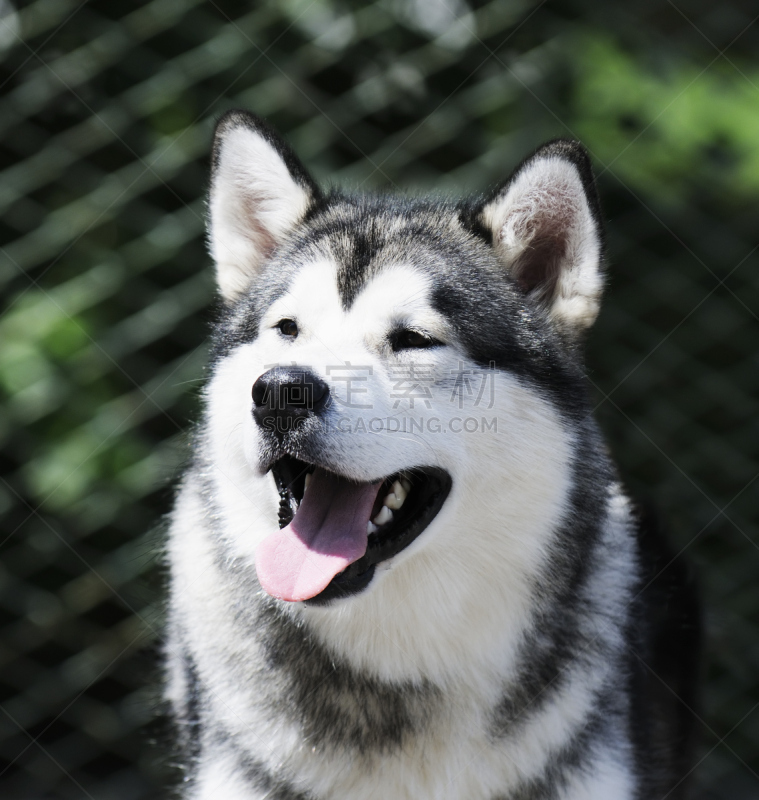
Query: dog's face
(393, 392)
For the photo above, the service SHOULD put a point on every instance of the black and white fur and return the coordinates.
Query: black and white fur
(522, 648)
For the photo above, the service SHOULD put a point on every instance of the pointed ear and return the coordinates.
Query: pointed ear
(545, 227)
(259, 193)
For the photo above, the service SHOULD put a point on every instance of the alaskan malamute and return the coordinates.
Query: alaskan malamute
(402, 564)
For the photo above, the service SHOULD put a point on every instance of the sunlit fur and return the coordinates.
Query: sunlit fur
(493, 659)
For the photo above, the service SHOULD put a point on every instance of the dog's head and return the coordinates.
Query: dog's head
(394, 380)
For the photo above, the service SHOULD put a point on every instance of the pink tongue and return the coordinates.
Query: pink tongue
(328, 532)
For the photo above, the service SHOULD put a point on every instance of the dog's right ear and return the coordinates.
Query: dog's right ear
(259, 193)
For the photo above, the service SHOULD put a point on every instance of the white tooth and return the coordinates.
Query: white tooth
(371, 527)
(400, 491)
(307, 481)
(392, 501)
(384, 516)
(406, 484)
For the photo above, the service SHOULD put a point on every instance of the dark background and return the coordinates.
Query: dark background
(107, 291)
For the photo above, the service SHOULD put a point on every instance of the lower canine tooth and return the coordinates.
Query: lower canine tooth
(371, 527)
(307, 480)
(384, 516)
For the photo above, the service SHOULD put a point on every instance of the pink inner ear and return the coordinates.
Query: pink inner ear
(261, 236)
(544, 220)
(538, 268)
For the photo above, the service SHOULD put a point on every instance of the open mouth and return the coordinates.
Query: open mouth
(334, 532)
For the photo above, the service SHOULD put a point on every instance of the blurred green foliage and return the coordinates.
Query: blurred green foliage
(667, 123)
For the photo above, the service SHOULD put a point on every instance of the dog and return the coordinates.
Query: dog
(401, 561)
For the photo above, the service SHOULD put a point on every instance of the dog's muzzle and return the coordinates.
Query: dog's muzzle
(284, 397)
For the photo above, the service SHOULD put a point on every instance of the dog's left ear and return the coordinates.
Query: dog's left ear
(545, 227)
(259, 192)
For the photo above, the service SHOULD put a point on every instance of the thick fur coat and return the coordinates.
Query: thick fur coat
(502, 625)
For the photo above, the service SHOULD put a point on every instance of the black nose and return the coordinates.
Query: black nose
(284, 397)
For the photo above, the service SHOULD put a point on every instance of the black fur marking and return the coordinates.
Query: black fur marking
(574, 757)
(338, 707)
(233, 329)
(502, 330)
(187, 721)
(664, 666)
(354, 264)
(555, 641)
(191, 721)
(470, 217)
(276, 787)
(366, 233)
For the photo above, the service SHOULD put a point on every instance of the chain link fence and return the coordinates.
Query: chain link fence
(107, 292)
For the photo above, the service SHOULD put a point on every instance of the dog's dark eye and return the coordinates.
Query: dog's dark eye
(288, 327)
(407, 339)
